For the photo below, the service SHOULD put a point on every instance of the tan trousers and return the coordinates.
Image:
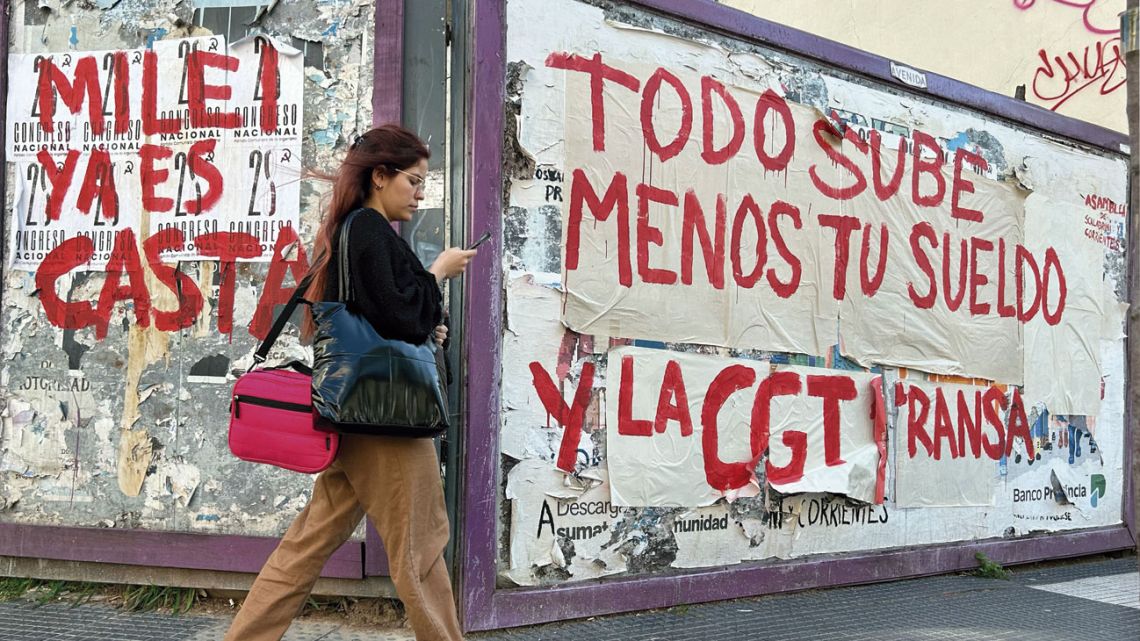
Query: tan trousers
(395, 481)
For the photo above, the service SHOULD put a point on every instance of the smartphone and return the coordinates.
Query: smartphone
(479, 241)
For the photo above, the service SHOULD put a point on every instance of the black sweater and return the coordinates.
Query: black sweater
(391, 288)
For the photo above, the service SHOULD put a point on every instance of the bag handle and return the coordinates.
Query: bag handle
(345, 291)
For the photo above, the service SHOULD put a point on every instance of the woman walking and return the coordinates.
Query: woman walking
(393, 480)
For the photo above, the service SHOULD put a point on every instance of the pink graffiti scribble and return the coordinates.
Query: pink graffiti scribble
(1087, 5)
(1060, 77)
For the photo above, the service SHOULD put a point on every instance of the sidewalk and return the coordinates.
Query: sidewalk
(1083, 600)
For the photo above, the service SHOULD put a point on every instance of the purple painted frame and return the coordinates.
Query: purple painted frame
(388, 62)
(161, 549)
(478, 515)
(4, 8)
(387, 106)
(484, 607)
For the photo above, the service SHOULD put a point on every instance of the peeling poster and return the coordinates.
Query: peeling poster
(202, 138)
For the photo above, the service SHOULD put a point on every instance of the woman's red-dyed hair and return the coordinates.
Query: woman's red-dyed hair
(387, 148)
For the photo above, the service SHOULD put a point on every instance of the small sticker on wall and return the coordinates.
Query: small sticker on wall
(908, 76)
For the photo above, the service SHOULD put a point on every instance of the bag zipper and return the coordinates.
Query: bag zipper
(268, 402)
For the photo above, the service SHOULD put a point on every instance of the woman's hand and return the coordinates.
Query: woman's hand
(440, 334)
(451, 263)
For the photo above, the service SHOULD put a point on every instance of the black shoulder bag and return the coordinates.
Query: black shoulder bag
(367, 384)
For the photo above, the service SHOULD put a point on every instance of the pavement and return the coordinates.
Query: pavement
(1091, 599)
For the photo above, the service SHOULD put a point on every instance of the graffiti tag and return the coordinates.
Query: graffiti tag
(1060, 77)
(1086, 17)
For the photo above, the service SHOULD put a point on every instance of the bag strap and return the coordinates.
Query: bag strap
(279, 324)
(344, 279)
(344, 291)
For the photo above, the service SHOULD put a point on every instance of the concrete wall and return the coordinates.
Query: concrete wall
(564, 439)
(1065, 56)
(129, 430)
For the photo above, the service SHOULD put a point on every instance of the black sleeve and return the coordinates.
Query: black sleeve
(391, 288)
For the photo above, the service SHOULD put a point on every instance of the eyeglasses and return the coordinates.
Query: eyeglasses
(417, 182)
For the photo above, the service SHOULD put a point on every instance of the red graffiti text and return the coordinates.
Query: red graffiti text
(1059, 77)
(126, 264)
(1087, 5)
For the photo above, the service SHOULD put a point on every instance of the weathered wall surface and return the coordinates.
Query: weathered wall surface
(129, 429)
(1066, 54)
(699, 369)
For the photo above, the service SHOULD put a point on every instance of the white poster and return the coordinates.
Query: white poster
(827, 428)
(543, 369)
(189, 136)
(684, 429)
(559, 523)
(950, 441)
(1062, 347)
(1058, 496)
(709, 242)
(679, 427)
(700, 212)
(935, 287)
